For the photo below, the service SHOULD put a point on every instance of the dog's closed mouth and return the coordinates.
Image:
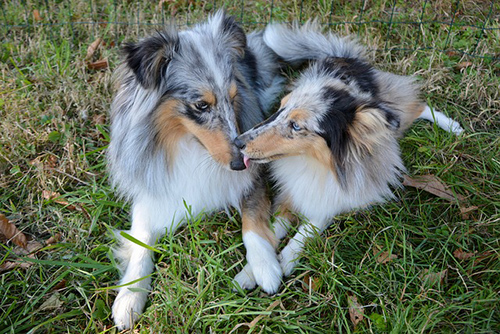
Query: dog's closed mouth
(247, 160)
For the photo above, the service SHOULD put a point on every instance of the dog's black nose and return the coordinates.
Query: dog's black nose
(237, 164)
(239, 143)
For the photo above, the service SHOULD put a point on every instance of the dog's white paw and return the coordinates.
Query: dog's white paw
(128, 307)
(262, 259)
(245, 278)
(267, 273)
(455, 127)
(288, 259)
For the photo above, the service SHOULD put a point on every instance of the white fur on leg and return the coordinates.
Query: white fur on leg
(245, 278)
(441, 120)
(128, 305)
(290, 254)
(261, 257)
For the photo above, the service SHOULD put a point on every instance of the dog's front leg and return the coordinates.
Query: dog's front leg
(263, 267)
(151, 217)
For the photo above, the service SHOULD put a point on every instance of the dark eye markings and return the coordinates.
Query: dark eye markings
(295, 126)
(202, 106)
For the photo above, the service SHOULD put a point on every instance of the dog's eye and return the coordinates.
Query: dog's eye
(295, 126)
(201, 106)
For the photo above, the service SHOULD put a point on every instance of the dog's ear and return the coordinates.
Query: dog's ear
(149, 58)
(230, 32)
(371, 128)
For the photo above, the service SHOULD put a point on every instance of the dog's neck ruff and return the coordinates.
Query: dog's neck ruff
(315, 192)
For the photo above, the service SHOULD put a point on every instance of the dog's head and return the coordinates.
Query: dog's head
(194, 75)
(331, 116)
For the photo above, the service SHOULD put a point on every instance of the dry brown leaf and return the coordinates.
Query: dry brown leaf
(11, 232)
(432, 184)
(312, 283)
(463, 65)
(356, 312)
(385, 257)
(53, 239)
(32, 247)
(59, 286)
(93, 48)
(99, 65)
(481, 256)
(99, 119)
(36, 15)
(433, 278)
(55, 196)
(10, 265)
(461, 255)
(466, 211)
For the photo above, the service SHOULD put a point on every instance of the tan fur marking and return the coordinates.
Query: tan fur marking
(284, 210)
(233, 90)
(209, 97)
(299, 114)
(255, 218)
(169, 126)
(413, 110)
(321, 152)
(284, 100)
(368, 131)
(215, 141)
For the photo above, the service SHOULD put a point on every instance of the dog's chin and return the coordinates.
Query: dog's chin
(261, 160)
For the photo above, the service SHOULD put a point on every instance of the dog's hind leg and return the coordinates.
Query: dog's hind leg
(290, 254)
(150, 219)
(260, 244)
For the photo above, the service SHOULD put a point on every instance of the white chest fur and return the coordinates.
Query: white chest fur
(314, 190)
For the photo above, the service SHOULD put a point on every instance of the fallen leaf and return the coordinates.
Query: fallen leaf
(433, 278)
(461, 255)
(481, 256)
(309, 282)
(53, 239)
(11, 232)
(465, 212)
(98, 65)
(55, 196)
(355, 310)
(59, 286)
(53, 303)
(36, 15)
(463, 65)
(99, 119)
(432, 184)
(93, 48)
(10, 265)
(385, 257)
(32, 246)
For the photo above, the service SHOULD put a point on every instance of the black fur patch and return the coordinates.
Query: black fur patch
(352, 70)
(150, 57)
(335, 124)
(236, 34)
(392, 118)
(195, 115)
(269, 120)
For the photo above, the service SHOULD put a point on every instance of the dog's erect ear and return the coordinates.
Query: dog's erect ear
(231, 32)
(149, 58)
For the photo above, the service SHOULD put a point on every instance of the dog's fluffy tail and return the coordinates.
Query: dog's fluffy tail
(441, 120)
(298, 44)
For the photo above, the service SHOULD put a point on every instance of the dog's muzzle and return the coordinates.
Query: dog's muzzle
(237, 163)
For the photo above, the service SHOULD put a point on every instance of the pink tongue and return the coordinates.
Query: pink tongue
(246, 161)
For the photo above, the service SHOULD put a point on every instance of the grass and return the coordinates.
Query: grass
(54, 132)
